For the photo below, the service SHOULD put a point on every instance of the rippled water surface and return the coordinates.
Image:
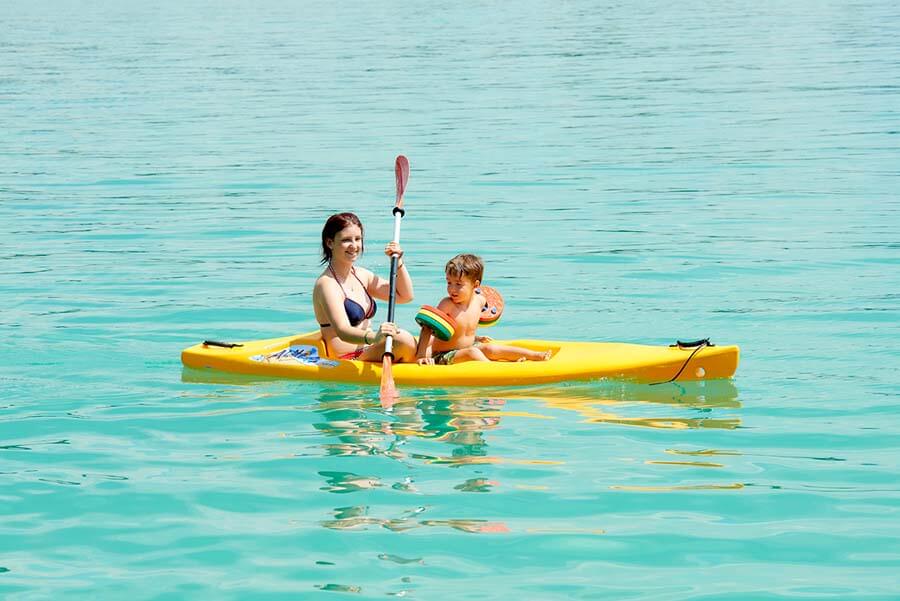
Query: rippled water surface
(630, 171)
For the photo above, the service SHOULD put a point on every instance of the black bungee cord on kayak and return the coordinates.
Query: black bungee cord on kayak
(221, 344)
(700, 344)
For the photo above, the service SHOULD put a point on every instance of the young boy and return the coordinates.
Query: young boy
(464, 273)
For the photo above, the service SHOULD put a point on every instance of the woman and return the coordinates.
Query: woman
(344, 296)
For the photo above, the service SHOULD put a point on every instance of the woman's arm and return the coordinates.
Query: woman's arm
(404, 283)
(381, 288)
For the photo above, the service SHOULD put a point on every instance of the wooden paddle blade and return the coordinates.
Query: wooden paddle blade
(388, 393)
(401, 170)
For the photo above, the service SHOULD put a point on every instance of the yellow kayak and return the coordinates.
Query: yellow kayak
(302, 357)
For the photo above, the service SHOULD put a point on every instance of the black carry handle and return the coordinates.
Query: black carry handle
(222, 344)
(692, 344)
(697, 345)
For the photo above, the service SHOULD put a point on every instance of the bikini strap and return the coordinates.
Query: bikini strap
(366, 290)
(331, 269)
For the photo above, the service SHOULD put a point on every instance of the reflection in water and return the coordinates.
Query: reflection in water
(686, 463)
(460, 416)
(340, 588)
(463, 418)
(401, 560)
(743, 454)
(462, 421)
(358, 427)
(731, 486)
(605, 402)
(669, 422)
(343, 482)
(477, 485)
(705, 452)
(456, 427)
(358, 518)
(405, 486)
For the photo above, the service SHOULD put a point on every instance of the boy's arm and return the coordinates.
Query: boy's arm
(482, 339)
(423, 350)
(446, 305)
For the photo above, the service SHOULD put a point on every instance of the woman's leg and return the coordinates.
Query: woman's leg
(403, 348)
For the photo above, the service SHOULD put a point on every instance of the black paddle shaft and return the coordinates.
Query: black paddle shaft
(393, 290)
(392, 278)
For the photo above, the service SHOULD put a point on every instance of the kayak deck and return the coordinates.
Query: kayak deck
(301, 357)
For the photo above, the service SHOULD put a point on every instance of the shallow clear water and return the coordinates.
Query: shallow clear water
(629, 172)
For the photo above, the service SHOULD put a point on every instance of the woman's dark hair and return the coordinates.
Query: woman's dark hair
(335, 224)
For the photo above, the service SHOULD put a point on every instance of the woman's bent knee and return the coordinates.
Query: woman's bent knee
(404, 347)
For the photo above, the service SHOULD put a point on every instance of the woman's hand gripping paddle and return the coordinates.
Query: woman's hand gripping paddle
(388, 392)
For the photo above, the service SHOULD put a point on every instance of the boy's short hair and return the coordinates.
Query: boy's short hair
(465, 265)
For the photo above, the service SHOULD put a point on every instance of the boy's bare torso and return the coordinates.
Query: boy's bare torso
(466, 318)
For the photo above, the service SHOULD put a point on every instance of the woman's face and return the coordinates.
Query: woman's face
(347, 244)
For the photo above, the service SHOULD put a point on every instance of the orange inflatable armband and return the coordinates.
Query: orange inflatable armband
(494, 307)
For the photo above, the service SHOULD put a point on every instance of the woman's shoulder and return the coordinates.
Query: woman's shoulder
(367, 276)
(325, 281)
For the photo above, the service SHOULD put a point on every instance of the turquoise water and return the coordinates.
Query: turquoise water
(629, 171)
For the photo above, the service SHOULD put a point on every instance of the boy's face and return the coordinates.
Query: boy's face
(461, 288)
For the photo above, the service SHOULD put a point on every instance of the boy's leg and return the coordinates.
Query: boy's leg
(502, 352)
(471, 353)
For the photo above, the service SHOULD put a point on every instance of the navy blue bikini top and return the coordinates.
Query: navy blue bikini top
(355, 313)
